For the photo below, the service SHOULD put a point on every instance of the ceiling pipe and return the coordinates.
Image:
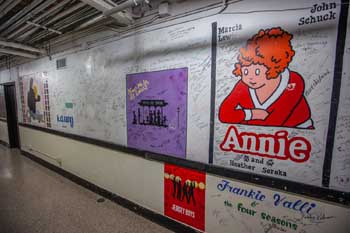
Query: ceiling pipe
(75, 21)
(21, 46)
(103, 6)
(9, 7)
(90, 22)
(66, 12)
(43, 27)
(89, 12)
(37, 19)
(54, 19)
(20, 14)
(110, 2)
(123, 6)
(18, 53)
(85, 12)
(98, 4)
(5, 4)
(27, 17)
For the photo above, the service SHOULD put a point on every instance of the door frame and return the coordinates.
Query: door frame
(13, 83)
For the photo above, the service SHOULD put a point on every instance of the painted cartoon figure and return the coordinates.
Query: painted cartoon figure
(32, 98)
(268, 94)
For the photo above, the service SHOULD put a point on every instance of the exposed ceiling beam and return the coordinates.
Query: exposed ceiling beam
(27, 17)
(54, 19)
(98, 4)
(8, 7)
(18, 53)
(103, 6)
(66, 12)
(43, 27)
(20, 14)
(4, 4)
(61, 24)
(21, 46)
(37, 19)
(123, 6)
(90, 22)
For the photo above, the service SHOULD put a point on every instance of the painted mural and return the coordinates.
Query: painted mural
(184, 195)
(234, 206)
(272, 91)
(268, 93)
(157, 111)
(35, 99)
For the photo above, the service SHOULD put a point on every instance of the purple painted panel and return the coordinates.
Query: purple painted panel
(156, 108)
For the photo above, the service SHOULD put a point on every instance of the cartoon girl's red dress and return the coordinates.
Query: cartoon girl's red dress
(287, 106)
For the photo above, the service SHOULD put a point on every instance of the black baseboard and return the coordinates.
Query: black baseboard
(146, 213)
(4, 144)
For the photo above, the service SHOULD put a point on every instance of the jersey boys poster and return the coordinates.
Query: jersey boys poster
(273, 92)
(184, 195)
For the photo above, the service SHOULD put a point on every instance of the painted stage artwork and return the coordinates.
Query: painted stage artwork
(35, 99)
(157, 111)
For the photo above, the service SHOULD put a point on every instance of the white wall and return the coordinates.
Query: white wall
(4, 132)
(131, 177)
(142, 181)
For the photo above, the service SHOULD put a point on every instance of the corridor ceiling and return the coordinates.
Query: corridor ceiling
(28, 26)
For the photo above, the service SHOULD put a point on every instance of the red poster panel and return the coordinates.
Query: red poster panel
(184, 195)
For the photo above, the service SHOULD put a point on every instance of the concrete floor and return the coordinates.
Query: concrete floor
(36, 199)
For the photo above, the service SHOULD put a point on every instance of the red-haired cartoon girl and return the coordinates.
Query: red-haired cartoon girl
(268, 93)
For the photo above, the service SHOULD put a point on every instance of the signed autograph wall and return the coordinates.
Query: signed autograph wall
(340, 170)
(272, 90)
(246, 208)
(273, 66)
(157, 111)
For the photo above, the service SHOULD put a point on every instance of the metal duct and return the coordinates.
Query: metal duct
(21, 46)
(17, 53)
(123, 6)
(103, 6)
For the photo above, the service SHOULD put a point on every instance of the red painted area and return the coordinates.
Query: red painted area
(184, 195)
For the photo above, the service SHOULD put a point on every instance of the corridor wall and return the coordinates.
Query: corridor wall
(142, 113)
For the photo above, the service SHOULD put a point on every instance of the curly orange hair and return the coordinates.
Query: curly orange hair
(271, 48)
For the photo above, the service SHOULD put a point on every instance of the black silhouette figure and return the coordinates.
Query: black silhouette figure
(177, 189)
(188, 192)
(134, 120)
(154, 113)
(31, 100)
(185, 191)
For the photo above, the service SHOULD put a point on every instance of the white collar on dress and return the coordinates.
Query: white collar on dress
(275, 95)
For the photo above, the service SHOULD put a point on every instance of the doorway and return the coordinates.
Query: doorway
(11, 109)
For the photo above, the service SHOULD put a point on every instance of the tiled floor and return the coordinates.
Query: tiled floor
(35, 199)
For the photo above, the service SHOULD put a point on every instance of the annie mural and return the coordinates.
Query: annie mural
(268, 94)
(271, 118)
